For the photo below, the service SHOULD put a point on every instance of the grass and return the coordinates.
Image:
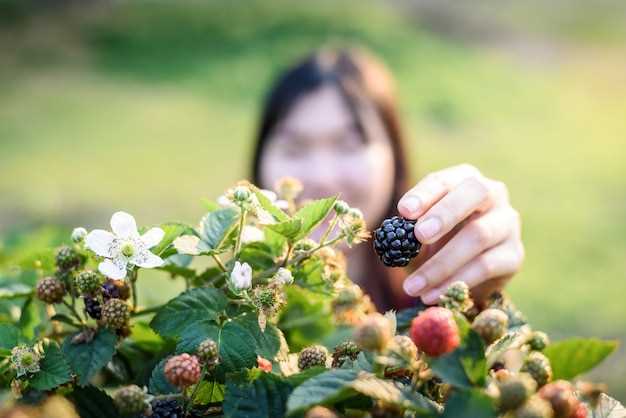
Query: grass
(152, 111)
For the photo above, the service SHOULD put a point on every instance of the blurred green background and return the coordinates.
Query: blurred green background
(151, 106)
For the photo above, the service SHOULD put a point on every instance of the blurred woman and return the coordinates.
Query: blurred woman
(332, 122)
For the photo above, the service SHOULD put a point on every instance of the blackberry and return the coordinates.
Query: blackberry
(93, 307)
(208, 352)
(395, 241)
(115, 314)
(88, 282)
(130, 400)
(183, 370)
(115, 289)
(538, 366)
(344, 351)
(50, 290)
(68, 258)
(165, 408)
(312, 356)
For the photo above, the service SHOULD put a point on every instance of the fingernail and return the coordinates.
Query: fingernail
(410, 203)
(429, 228)
(430, 297)
(413, 285)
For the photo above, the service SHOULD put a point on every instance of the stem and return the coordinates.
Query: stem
(73, 311)
(219, 262)
(146, 311)
(133, 283)
(195, 391)
(242, 220)
(330, 228)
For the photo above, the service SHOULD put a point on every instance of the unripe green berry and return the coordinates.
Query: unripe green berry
(241, 194)
(78, 234)
(130, 400)
(208, 352)
(538, 366)
(491, 324)
(88, 282)
(514, 390)
(404, 346)
(538, 341)
(68, 258)
(341, 207)
(115, 314)
(374, 333)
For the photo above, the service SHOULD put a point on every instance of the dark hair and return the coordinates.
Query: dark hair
(361, 80)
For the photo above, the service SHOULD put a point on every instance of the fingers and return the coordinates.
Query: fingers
(474, 238)
(471, 195)
(431, 188)
(500, 261)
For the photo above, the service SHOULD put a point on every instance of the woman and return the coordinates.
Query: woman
(332, 122)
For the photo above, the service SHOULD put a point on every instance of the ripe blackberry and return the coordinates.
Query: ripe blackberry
(93, 307)
(395, 241)
(115, 289)
(165, 408)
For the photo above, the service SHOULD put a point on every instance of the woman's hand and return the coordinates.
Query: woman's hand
(468, 229)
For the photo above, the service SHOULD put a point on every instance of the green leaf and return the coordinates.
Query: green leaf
(216, 224)
(266, 343)
(29, 319)
(15, 290)
(289, 229)
(574, 356)
(209, 392)
(313, 213)
(307, 318)
(466, 366)
(158, 383)
(406, 316)
(608, 407)
(270, 207)
(258, 255)
(187, 309)
(87, 358)
(9, 336)
(469, 403)
(326, 388)
(92, 402)
(172, 231)
(392, 393)
(64, 318)
(264, 397)
(54, 370)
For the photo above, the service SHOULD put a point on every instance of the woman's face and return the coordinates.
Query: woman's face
(319, 143)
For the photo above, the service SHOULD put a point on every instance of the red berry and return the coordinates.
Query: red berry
(561, 396)
(581, 411)
(435, 331)
(183, 370)
(264, 364)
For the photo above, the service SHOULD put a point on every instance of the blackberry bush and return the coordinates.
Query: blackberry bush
(395, 241)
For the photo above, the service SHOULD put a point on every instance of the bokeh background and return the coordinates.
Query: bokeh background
(150, 106)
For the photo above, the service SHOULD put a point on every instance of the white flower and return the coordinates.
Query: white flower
(241, 276)
(225, 202)
(284, 276)
(281, 204)
(251, 233)
(124, 246)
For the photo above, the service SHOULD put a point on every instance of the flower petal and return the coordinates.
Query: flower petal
(124, 225)
(187, 244)
(147, 260)
(113, 270)
(152, 237)
(99, 241)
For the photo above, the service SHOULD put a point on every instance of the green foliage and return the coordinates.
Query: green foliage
(87, 358)
(215, 227)
(158, 383)
(9, 337)
(326, 388)
(574, 356)
(54, 369)
(263, 397)
(312, 214)
(92, 402)
(469, 403)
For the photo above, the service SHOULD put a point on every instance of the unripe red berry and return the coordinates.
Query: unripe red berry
(561, 396)
(581, 411)
(435, 332)
(264, 364)
(182, 370)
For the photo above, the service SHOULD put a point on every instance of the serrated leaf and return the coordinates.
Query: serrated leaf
(266, 343)
(209, 392)
(326, 388)
(53, 369)
(313, 214)
(469, 403)
(466, 366)
(86, 359)
(575, 356)
(608, 407)
(270, 207)
(187, 309)
(264, 397)
(289, 229)
(392, 393)
(216, 224)
(158, 384)
(92, 402)
(258, 255)
(172, 231)
(9, 336)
